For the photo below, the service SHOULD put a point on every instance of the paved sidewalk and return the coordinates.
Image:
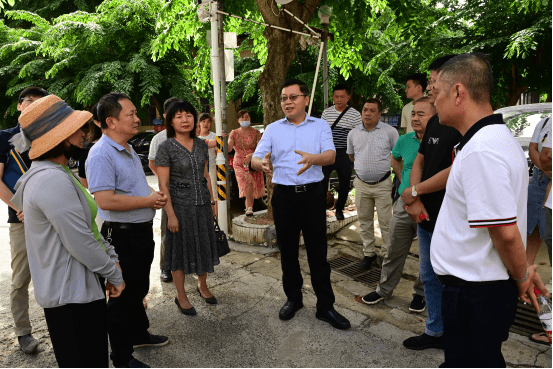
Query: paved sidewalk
(243, 330)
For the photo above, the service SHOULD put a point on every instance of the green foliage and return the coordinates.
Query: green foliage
(83, 55)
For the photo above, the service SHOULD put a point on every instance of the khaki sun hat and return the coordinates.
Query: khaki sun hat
(46, 123)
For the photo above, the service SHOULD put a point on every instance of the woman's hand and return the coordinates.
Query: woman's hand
(173, 224)
(248, 159)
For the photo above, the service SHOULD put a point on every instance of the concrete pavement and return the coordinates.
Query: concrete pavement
(243, 330)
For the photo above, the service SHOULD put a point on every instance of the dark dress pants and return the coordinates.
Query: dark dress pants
(477, 320)
(127, 320)
(79, 334)
(343, 166)
(303, 212)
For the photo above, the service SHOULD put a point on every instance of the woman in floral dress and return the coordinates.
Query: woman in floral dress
(244, 140)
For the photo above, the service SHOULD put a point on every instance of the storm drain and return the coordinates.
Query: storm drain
(349, 266)
(526, 320)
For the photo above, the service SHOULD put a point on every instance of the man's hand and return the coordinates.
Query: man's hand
(415, 210)
(173, 224)
(20, 216)
(158, 200)
(407, 196)
(307, 160)
(267, 164)
(526, 288)
(115, 291)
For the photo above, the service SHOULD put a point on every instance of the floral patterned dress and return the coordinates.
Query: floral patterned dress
(244, 144)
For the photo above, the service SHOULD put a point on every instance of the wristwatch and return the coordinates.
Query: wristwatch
(212, 202)
(413, 191)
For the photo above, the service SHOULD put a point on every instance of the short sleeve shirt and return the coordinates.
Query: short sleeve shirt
(372, 150)
(187, 184)
(155, 143)
(349, 121)
(111, 167)
(406, 117)
(281, 138)
(212, 152)
(406, 149)
(541, 132)
(487, 187)
(438, 147)
(6, 155)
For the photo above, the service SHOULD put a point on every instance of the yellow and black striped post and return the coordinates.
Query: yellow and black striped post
(221, 173)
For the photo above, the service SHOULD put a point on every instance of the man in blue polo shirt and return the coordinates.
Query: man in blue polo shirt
(294, 149)
(127, 205)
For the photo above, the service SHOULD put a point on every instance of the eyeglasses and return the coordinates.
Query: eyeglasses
(291, 97)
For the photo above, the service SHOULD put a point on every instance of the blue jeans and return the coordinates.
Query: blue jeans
(432, 287)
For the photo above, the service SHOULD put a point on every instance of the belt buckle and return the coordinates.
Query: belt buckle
(302, 187)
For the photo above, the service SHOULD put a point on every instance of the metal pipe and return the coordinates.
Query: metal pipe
(299, 20)
(270, 26)
(315, 80)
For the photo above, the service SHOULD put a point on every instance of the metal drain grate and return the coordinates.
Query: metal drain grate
(526, 320)
(349, 266)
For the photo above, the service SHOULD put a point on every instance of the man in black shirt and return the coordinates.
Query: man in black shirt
(13, 165)
(423, 200)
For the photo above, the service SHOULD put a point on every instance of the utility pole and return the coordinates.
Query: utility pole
(325, 64)
(220, 159)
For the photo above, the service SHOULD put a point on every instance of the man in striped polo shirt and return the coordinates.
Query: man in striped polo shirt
(342, 119)
(370, 148)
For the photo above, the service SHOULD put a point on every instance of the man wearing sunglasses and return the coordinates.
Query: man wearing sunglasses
(13, 165)
(293, 150)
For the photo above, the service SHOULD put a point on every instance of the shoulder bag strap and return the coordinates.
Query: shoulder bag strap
(339, 117)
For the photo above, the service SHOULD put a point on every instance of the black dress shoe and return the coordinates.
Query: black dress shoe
(289, 310)
(166, 276)
(210, 300)
(190, 311)
(334, 318)
(339, 214)
(367, 261)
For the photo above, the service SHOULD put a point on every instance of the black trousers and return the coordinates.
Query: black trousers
(303, 212)
(343, 166)
(79, 334)
(127, 320)
(477, 320)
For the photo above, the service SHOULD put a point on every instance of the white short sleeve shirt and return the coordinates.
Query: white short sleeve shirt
(487, 187)
(157, 140)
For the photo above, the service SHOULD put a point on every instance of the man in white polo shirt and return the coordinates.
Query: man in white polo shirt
(477, 250)
(370, 148)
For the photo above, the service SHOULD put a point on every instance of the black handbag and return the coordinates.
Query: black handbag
(222, 242)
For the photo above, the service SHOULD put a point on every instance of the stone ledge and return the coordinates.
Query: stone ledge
(265, 235)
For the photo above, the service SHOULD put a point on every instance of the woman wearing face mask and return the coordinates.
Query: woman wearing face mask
(244, 140)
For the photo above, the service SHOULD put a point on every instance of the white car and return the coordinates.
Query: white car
(522, 121)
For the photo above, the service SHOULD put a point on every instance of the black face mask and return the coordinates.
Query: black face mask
(72, 152)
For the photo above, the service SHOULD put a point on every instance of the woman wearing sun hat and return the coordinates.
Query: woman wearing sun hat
(67, 254)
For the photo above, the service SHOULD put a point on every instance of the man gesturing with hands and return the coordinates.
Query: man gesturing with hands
(293, 150)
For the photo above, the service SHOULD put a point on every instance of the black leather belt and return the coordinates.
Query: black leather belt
(380, 180)
(299, 188)
(130, 226)
(452, 281)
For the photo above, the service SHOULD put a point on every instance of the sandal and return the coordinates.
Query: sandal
(249, 211)
(531, 338)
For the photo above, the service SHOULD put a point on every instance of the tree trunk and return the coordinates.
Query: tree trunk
(514, 91)
(281, 47)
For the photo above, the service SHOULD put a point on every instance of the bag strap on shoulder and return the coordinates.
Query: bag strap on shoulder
(339, 117)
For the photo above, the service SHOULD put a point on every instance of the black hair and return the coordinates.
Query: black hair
(32, 91)
(53, 153)
(474, 71)
(168, 102)
(109, 106)
(372, 100)
(425, 99)
(94, 132)
(340, 87)
(205, 116)
(303, 86)
(418, 79)
(174, 108)
(437, 64)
